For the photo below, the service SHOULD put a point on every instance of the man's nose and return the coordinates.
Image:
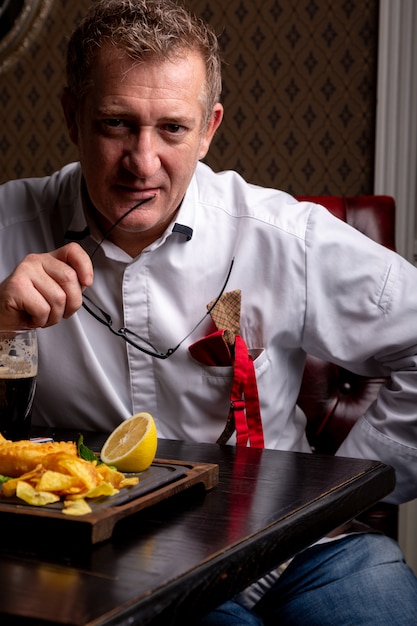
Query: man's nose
(141, 156)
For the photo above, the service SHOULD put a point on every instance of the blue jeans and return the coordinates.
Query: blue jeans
(361, 580)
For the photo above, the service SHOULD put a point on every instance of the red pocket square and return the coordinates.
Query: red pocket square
(212, 350)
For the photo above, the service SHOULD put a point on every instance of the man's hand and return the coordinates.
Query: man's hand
(45, 288)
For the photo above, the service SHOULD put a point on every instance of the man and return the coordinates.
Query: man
(145, 237)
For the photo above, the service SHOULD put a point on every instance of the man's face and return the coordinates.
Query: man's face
(140, 132)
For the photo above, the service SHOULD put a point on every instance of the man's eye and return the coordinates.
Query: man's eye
(173, 128)
(113, 123)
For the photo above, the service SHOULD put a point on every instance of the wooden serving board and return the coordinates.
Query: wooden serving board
(162, 480)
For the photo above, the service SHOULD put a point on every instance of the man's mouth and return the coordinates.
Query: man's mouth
(139, 193)
(130, 210)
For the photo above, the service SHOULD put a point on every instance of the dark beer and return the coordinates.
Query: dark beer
(16, 399)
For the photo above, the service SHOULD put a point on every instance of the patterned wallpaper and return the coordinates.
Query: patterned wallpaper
(299, 93)
(300, 84)
(33, 138)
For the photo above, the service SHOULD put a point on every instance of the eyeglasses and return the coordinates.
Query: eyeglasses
(136, 340)
(132, 338)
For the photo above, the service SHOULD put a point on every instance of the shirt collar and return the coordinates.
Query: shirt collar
(185, 221)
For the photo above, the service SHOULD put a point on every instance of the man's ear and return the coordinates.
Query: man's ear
(69, 108)
(213, 124)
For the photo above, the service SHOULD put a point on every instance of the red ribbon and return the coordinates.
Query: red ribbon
(244, 399)
(245, 414)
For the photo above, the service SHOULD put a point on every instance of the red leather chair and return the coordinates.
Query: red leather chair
(331, 397)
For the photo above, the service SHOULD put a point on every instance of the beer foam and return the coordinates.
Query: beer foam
(5, 374)
(17, 359)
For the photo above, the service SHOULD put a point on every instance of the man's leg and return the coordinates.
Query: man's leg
(361, 580)
(230, 614)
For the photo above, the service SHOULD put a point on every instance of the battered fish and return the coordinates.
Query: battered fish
(19, 457)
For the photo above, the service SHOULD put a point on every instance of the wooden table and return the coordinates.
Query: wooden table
(187, 554)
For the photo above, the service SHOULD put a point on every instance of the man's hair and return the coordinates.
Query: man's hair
(146, 30)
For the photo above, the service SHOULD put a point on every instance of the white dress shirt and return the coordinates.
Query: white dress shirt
(309, 282)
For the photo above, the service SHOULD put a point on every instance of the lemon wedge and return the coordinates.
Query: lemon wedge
(131, 447)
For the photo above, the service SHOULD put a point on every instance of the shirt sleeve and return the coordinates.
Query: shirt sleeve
(362, 315)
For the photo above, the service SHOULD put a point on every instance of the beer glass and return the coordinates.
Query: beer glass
(18, 371)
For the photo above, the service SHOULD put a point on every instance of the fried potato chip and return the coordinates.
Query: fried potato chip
(28, 494)
(129, 482)
(103, 489)
(9, 487)
(114, 477)
(76, 507)
(85, 471)
(60, 483)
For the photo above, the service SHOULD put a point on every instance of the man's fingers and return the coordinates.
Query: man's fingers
(45, 288)
(73, 255)
(66, 272)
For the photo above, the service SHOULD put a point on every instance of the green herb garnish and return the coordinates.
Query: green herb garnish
(84, 451)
